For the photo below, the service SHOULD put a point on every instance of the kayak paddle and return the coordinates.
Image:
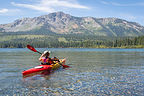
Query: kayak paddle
(64, 66)
(34, 50)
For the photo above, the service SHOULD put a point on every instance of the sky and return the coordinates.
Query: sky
(130, 10)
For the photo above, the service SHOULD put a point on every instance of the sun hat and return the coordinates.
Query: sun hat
(46, 51)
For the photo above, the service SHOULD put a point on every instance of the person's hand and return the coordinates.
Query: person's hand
(42, 54)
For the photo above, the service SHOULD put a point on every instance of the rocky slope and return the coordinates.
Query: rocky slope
(62, 23)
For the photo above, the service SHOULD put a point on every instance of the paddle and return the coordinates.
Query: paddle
(34, 50)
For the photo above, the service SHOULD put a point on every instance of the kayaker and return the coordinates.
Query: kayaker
(44, 58)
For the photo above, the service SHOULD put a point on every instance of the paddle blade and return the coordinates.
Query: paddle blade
(31, 48)
(65, 66)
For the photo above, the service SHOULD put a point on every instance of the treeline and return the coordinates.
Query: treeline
(50, 44)
(137, 42)
(76, 41)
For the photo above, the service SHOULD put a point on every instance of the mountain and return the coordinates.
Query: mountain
(61, 23)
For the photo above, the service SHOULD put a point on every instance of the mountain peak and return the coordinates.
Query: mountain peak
(56, 15)
(61, 23)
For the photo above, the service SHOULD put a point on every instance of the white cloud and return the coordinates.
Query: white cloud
(35, 7)
(120, 4)
(51, 5)
(9, 12)
(3, 11)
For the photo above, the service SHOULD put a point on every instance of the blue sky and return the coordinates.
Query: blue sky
(131, 10)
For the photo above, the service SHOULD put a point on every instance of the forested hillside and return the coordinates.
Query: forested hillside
(16, 40)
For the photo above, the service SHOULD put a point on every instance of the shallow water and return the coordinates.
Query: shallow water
(93, 72)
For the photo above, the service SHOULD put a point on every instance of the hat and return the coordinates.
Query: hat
(46, 51)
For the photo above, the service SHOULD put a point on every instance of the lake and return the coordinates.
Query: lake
(93, 72)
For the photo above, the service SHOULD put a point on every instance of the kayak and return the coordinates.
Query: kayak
(41, 68)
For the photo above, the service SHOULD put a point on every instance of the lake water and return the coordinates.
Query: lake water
(93, 72)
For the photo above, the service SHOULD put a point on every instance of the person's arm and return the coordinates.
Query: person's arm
(55, 59)
(41, 57)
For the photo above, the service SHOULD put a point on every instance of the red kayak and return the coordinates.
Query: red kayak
(41, 68)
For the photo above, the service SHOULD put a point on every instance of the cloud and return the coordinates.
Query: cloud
(120, 4)
(51, 5)
(35, 7)
(3, 11)
(104, 2)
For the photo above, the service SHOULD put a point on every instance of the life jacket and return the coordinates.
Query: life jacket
(46, 61)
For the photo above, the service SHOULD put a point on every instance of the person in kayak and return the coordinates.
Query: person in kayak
(44, 58)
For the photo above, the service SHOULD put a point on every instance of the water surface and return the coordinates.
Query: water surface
(95, 72)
